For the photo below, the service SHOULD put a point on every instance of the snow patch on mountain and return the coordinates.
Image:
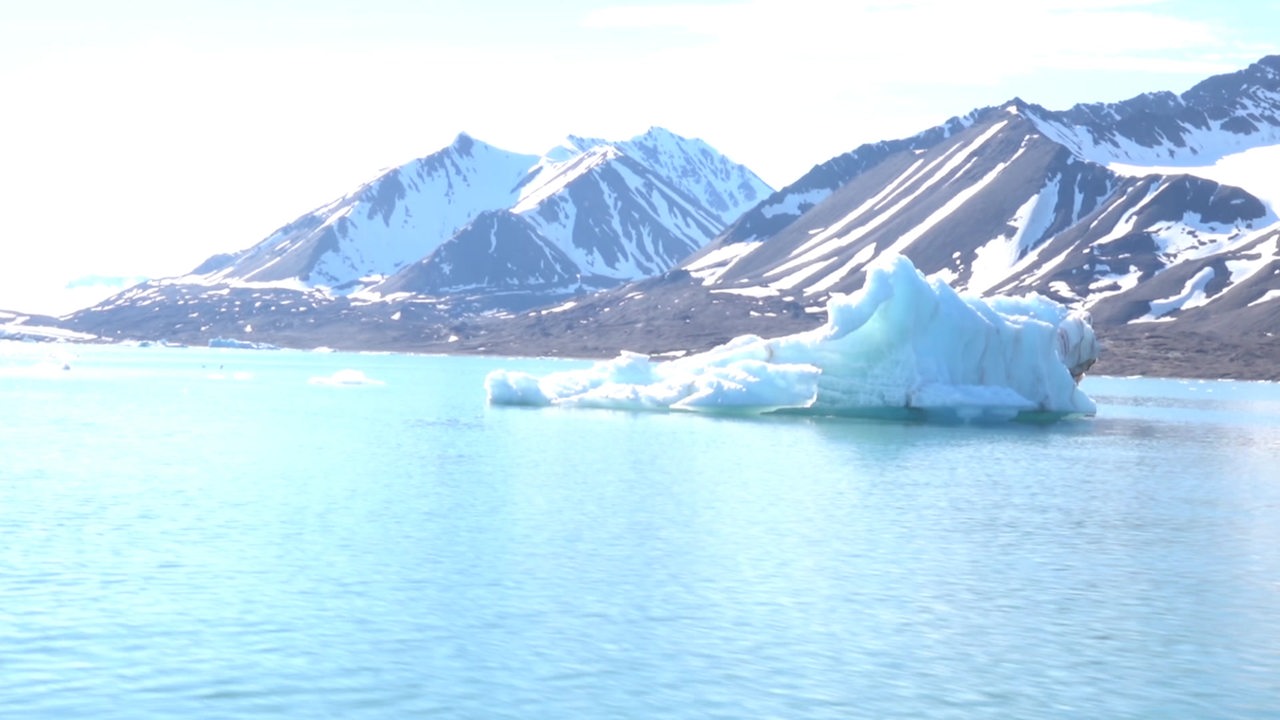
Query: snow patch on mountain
(796, 203)
(1008, 254)
(1251, 261)
(1192, 295)
(1254, 170)
(1267, 297)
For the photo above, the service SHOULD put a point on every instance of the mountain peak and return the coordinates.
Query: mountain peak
(656, 131)
(463, 143)
(1017, 106)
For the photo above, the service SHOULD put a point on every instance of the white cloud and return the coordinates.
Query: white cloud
(925, 41)
(836, 74)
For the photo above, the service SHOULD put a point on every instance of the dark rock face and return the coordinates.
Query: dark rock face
(499, 250)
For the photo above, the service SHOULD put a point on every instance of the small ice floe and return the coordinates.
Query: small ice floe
(345, 377)
(61, 359)
(238, 376)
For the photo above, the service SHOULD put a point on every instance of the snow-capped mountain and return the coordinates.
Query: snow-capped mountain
(1017, 198)
(590, 212)
(1158, 215)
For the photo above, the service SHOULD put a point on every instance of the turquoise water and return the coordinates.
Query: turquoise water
(203, 534)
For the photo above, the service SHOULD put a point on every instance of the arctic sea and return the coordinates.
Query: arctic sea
(197, 533)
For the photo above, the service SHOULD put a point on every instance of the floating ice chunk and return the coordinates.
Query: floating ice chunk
(239, 376)
(345, 377)
(903, 344)
(221, 342)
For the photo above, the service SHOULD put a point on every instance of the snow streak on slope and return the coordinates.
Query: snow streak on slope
(1002, 256)
(828, 241)
(550, 178)
(772, 216)
(638, 225)
(709, 267)
(1252, 260)
(1266, 298)
(904, 241)
(1192, 295)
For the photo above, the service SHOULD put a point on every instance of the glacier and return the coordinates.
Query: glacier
(903, 346)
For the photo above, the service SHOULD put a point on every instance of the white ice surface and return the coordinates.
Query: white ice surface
(1252, 169)
(901, 345)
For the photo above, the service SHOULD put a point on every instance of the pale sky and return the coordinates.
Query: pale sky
(138, 137)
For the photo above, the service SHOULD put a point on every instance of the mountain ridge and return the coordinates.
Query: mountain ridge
(407, 213)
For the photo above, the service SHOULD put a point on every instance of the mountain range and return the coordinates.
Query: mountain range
(1155, 214)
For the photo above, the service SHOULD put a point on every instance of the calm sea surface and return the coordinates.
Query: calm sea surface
(194, 533)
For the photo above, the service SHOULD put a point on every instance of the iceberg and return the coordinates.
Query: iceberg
(903, 346)
(222, 342)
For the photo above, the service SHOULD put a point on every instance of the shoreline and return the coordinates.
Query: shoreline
(1180, 356)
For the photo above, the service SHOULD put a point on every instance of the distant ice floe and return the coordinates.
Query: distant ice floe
(345, 377)
(34, 360)
(240, 376)
(903, 346)
(222, 342)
